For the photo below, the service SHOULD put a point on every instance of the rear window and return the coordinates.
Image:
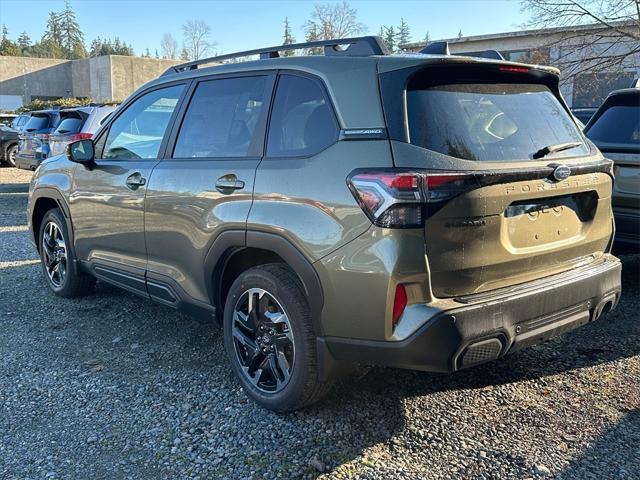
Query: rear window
(490, 122)
(38, 122)
(69, 125)
(618, 124)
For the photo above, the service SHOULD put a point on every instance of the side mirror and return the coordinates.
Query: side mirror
(81, 151)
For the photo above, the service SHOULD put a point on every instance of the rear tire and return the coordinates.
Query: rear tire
(10, 155)
(270, 341)
(58, 260)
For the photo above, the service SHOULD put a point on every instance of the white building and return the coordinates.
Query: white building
(565, 48)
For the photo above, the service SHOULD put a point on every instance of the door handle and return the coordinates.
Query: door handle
(135, 180)
(229, 183)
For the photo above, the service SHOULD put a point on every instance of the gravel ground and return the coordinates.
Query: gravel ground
(112, 386)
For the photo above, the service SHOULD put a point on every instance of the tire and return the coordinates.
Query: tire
(10, 155)
(53, 244)
(291, 336)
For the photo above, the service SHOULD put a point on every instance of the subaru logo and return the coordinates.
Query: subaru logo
(561, 172)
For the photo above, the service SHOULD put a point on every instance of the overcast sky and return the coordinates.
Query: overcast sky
(245, 24)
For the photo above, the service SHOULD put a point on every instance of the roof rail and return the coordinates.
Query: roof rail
(356, 47)
(442, 48)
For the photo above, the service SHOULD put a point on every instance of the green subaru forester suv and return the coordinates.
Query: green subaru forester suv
(422, 211)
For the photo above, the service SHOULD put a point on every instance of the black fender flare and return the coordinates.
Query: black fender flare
(55, 195)
(230, 242)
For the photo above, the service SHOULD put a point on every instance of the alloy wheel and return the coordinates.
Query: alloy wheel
(54, 254)
(263, 340)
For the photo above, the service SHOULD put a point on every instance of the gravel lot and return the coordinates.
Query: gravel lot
(112, 386)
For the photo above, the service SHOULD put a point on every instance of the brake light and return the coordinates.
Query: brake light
(399, 302)
(43, 137)
(80, 136)
(507, 68)
(403, 199)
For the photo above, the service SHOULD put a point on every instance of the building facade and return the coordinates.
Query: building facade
(569, 49)
(106, 78)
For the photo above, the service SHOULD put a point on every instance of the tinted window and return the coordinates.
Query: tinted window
(490, 122)
(69, 125)
(37, 122)
(138, 131)
(618, 124)
(302, 121)
(221, 118)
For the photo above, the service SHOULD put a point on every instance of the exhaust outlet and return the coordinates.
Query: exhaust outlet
(605, 306)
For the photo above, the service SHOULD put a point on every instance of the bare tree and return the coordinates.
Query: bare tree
(169, 46)
(610, 44)
(197, 41)
(329, 21)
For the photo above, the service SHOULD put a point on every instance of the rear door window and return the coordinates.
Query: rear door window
(302, 120)
(490, 122)
(222, 118)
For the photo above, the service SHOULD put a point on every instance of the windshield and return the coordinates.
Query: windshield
(618, 124)
(491, 122)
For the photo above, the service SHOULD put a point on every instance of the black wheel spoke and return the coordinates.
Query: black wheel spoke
(263, 340)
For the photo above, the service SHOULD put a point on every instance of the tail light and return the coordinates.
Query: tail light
(43, 137)
(80, 136)
(394, 198)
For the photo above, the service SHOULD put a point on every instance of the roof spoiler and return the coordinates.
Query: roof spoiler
(442, 48)
(353, 47)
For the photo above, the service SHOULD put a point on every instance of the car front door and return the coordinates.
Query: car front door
(107, 203)
(204, 185)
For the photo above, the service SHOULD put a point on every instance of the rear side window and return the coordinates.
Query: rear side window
(490, 122)
(618, 124)
(221, 118)
(302, 121)
(37, 122)
(69, 125)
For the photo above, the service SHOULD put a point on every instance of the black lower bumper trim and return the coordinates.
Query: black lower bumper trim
(517, 320)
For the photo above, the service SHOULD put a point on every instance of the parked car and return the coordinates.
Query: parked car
(33, 146)
(426, 211)
(77, 124)
(615, 129)
(583, 114)
(7, 118)
(9, 137)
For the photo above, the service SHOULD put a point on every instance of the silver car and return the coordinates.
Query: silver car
(77, 124)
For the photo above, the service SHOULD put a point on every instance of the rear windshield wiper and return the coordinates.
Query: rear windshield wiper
(558, 147)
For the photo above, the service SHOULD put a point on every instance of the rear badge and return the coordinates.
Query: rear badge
(561, 172)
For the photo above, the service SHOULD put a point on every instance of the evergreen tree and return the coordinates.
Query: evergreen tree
(427, 38)
(24, 42)
(71, 36)
(403, 36)
(288, 38)
(7, 46)
(459, 34)
(157, 55)
(184, 54)
(390, 38)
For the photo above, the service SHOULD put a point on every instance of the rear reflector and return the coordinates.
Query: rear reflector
(399, 302)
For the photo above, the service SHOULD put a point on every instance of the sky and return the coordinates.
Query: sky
(246, 24)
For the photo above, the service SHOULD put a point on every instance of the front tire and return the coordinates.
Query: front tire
(269, 338)
(58, 260)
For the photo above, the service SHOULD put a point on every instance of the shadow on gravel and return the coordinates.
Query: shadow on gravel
(609, 456)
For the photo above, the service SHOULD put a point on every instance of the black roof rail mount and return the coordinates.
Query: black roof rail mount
(442, 48)
(354, 47)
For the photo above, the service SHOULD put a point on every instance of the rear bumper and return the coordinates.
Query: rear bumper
(27, 163)
(488, 326)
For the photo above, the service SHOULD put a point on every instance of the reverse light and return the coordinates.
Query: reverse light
(394, 198)
(399, 303)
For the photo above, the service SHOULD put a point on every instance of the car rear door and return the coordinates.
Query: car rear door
(68, 129)
(204, 184)
(107, 203)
